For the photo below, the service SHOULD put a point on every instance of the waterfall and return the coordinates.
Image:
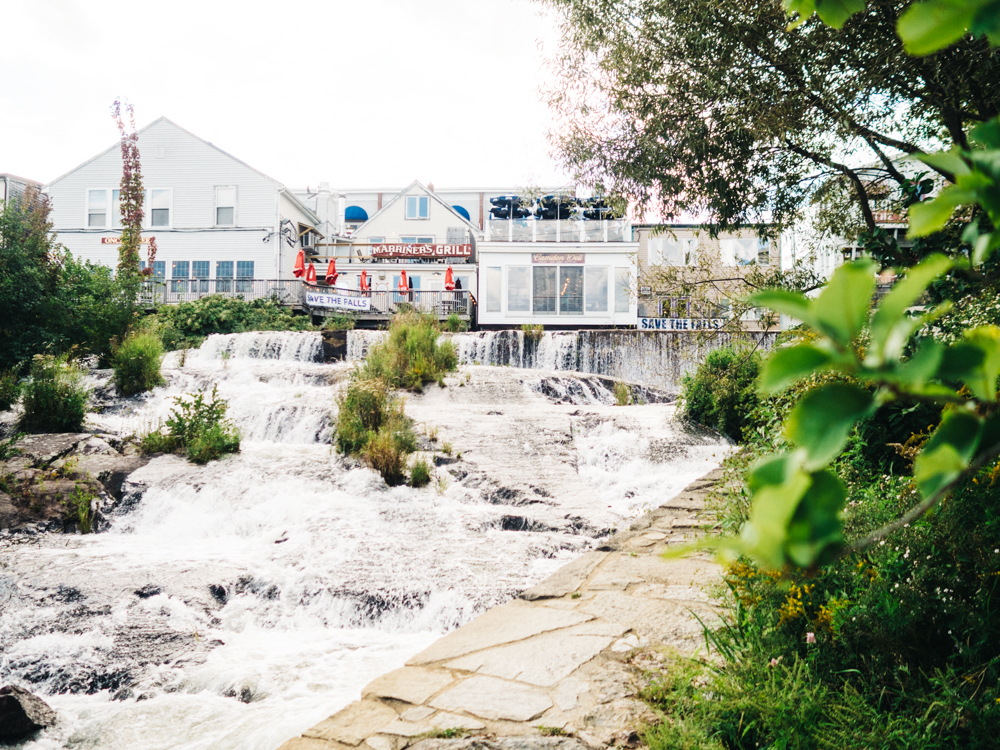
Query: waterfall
(240, 602)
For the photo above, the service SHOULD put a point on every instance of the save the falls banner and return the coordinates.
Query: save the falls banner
(339, 301)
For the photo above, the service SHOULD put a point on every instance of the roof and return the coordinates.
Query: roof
(25, 180)
(433, 195)
(170, 122)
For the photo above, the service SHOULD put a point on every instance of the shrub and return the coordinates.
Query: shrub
(420, 474)
(54, 398)
(623, 394)
(136, 361)
(383, 453)
(189, 323)
(371, 423)
(454, 324)
(722, 392)
(532, 331)
(10, 389)
(197, 426)
(411, 355)
(339, 322)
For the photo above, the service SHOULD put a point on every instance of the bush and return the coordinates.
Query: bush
(532, 331)
(623, 394)
(411, 355)
(196, 426)
(54, 398)
(420, 474)
(362, 411)
(339, 322)
(189, 323)
(136, 361)
(383, 453)
(723, 391)
(454, 324)
(10, 389)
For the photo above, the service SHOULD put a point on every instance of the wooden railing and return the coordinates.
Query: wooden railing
(384, 302)
(173, 291)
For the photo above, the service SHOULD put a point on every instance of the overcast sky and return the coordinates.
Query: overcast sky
(363, 93)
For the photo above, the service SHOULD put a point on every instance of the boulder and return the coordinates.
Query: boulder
(43, 449)
(22, 713)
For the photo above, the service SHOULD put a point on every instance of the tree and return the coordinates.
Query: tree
(131, 197)
(694, 107)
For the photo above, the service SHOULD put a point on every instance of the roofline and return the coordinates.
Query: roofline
(429, 192)
(27, 181)
(504, 188)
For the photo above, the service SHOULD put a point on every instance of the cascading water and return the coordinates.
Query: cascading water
(239, 602)
(653, 358)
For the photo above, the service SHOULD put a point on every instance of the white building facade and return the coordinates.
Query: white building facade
(219, 223)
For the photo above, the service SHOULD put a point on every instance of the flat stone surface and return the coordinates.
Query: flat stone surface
(542, 661)
(416, 714)
(527, 742)
(611, 581)
(655, 535)
(658, 620)
(409, 684)
(45, 448)
(567, 579)
(405, 728)
(381, 742)
(308, 743)
(567, 693)
(513, 621)
(445, 720)
(597, 627)
(494, 699)
(352, 724)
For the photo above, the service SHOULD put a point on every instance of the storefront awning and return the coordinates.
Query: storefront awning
(355, 213)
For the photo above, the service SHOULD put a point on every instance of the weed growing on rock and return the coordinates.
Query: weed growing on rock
(10, 388)
(551, 731)
(623, 394)
(136, 361)
(196, 426)
(7, 447)
(79, 508)
(532, 331)
(54, 398)
(411, 355)
(420, 473)
(446, 448)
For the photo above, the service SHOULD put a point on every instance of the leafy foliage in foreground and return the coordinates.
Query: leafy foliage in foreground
(54, 398)
(188, 324)
(197, 427)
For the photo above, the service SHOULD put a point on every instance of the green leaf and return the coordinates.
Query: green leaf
(931, 216)
(805, 8)
(948, 161)
(816, 531)
(777, 484)
(987, 133)
(922, 366)
(889, 316)
(823, 419)
(836, 12)
(788, 364)
(841, 309)
(793, 304)
(932, 25)
(948, 452)
(985, 246)
(982, 380)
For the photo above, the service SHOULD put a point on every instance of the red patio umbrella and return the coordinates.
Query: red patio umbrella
(311, 273)
(449, 279)
(300, 265)
(364, 280)
(331, 272)
(403, 285)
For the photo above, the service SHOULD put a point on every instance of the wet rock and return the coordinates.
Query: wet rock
(22, 713)
(502, 743)
(43, 449)
(150, 589)
(334, 346)
(219, 593)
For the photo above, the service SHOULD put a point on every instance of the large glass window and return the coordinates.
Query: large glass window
(244, 275)
(670, 251)
(571, 290)
(116, 209)
(225, 206)
(97, 208)
(159, 208)
(544, 290)
(597, 289)
(224, 276)
(518, 289)
(621, 290)
(417, 207)
(493, 281)
(179, 272)
(199, 272)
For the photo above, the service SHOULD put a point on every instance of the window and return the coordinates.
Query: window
(763, 253)
(518, 289)
(179, 272)
(418, 206)
(244, 275)
(543, 301)
(597, 289)
(199, 271)
(159, 268)
(668, 251)
(225, 206)
(417, 240)
(97, 208)
(675, 307)
(493, 280)
(224, 276)
(116, 209)
(571, 290)
(376, 240)
(621, 290)
(738, 252)
(159, 208)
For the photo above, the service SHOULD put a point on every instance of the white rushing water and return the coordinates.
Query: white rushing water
(237, 603)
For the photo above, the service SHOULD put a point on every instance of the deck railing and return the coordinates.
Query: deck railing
(173, 291)
(385, 302)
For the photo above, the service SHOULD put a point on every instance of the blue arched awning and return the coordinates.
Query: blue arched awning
(355, 213)
(462, 212)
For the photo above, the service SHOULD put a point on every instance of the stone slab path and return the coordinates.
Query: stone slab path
(557, 657)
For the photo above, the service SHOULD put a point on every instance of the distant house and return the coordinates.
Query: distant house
(219, 223)
(12, 187)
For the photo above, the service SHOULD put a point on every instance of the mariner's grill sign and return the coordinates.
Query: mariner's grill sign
(421, 251)
(680, 324)
(339, 301)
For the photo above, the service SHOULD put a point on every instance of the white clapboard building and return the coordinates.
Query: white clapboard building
(220, 225)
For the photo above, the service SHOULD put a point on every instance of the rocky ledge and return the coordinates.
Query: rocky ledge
(63, 481)
(559, 668)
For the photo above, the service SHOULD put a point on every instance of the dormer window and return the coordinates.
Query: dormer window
(418, 207)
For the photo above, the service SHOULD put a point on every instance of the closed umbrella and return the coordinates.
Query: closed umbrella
(364, 281)
(300, 265)
(331, 272)
(403, 285)
(311, 273)
(449, 279)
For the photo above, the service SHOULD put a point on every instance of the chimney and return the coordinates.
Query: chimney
(430, 186)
